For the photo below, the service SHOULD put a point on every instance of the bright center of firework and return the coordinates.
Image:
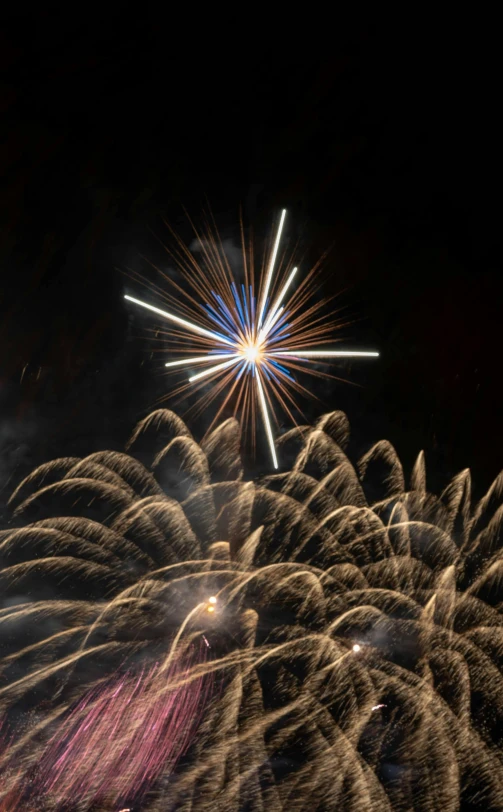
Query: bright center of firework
(249, 342)
(251, 353)
(356, 647)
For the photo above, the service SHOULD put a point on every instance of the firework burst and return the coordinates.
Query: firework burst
(346, 653)
(247, 344)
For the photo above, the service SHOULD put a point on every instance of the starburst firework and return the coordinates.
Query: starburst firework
(249, 346)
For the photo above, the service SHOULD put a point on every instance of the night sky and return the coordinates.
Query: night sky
(381, 142)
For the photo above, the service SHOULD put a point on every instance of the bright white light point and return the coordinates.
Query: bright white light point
(357, 647)
(212, 599)
(251, 354)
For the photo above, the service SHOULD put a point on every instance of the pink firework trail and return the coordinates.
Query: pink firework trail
(122, 736)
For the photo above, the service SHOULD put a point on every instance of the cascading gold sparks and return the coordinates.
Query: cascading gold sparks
(258, 341)
(303, 647)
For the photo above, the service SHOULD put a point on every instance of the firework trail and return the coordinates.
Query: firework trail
(122, 734)
(357, 644)
(259, 337)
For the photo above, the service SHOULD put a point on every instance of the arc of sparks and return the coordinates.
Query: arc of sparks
(262, 347)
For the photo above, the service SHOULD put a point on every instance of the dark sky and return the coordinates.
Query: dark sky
(383, 141)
